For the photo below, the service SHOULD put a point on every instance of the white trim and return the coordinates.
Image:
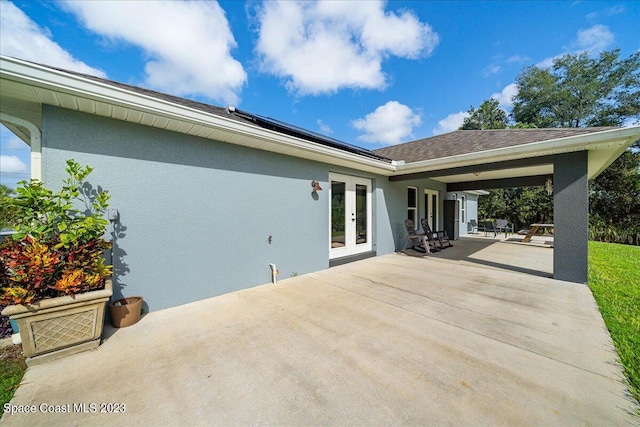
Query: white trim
(78, 86)
(351, 247)
(463, 209)
(91, 96)
(415, 218)
(607, 139)
(434, 210)
(35, 137)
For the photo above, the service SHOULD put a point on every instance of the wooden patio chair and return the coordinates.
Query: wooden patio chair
(418, 240)
(440, 235)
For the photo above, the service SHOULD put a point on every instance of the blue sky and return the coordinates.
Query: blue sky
(368, 73)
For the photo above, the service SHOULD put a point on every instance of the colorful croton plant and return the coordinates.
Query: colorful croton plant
(58, 248)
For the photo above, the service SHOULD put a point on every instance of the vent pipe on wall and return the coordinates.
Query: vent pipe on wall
(274, 273)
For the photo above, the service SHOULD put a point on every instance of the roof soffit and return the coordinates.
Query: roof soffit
(40, 85)
(26, 86)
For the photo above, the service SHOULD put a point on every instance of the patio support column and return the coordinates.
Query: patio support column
(571, 217)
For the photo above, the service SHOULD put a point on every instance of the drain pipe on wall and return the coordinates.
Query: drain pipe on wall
(274, 273)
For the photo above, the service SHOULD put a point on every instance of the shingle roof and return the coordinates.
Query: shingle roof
(473, 141)
(436, 147)
(233, 114)
(212, 109)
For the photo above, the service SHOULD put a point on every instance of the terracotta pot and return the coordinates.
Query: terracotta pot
(125, 312)
(56, 327)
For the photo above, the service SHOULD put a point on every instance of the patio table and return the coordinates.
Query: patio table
(534, 229)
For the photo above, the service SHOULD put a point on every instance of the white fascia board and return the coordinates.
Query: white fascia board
(622, 137)
(73, 85)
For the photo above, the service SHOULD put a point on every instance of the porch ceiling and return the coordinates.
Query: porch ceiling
(498, 174)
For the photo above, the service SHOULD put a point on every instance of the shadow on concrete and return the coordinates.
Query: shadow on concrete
(491, 252)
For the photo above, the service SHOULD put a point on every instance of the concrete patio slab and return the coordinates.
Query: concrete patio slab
(470, 339)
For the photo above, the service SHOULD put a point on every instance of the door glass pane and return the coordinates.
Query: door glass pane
(337, 214)
(427, 211)
(434, 206)
(361, 214)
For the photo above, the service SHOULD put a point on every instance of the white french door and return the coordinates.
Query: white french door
(349, 215)
(431, 208)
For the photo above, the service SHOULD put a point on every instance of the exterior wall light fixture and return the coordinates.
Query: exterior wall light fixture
(315, 185)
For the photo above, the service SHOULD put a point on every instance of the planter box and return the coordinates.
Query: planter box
(56, 327)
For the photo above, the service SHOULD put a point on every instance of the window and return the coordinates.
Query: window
(412, 204)
(463, 209)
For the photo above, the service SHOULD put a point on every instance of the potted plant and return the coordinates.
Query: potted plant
(52, 270)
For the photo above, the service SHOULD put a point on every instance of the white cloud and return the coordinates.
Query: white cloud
(548, 62)
(593, 39)
(391, 123)
(616, 10)
(22, 38)
(518, 58)
(324, 128)
(450, 123)
(322, 47)
(504, 97)
(14, 143)
(188, 44)
(490, 70)
(12, 164)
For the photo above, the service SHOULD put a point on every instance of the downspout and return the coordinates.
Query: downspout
(274, 274)
(35, 137)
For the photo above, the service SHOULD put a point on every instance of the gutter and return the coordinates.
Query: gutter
(47, 78)
(280, 137)
(593, 141)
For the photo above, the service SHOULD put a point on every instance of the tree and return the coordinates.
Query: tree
(7, 211)
(493, 205)
(520, 206)
(615, 194)
(489, 115)
(579, 91)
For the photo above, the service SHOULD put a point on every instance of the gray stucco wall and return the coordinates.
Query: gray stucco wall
(571, 217)
(195, 214)
(471, 209)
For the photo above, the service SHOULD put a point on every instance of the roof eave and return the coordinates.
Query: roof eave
(82, 87)
(616, 140)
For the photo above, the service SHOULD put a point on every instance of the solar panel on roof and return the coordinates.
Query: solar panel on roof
(299, 132)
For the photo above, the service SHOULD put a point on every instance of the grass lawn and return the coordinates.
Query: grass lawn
(12, 368)
(614, 279)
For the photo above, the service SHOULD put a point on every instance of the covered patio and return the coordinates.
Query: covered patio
(478, 334)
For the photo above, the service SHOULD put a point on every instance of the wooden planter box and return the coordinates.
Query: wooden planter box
(56, 327)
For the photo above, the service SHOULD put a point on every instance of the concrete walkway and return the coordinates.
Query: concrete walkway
(394, 340)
